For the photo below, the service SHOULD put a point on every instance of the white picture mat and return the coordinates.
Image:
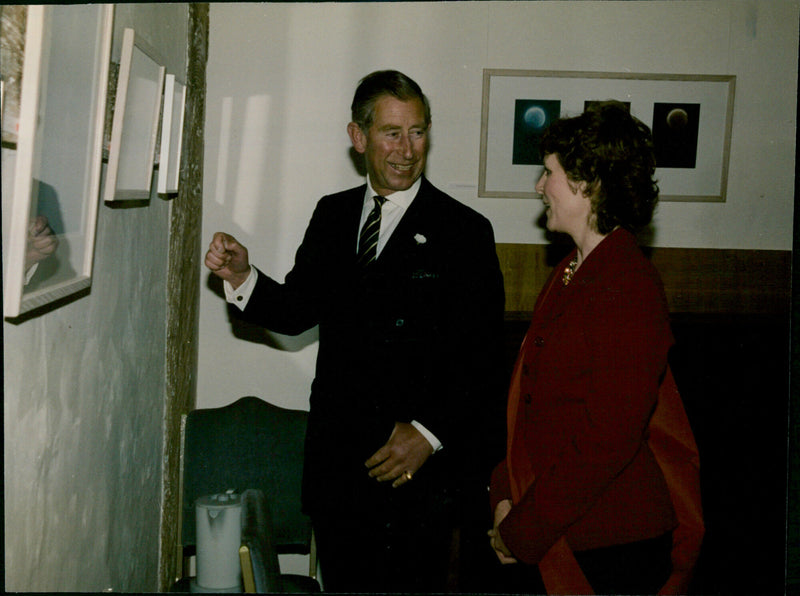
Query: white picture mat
(171, 135)
(134, 129)
(499, 177)
(58, 160)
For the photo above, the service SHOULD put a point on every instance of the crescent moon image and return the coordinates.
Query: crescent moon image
(677, 118)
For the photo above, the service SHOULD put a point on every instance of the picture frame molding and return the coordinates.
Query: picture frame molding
(171, 135)
(119, 153)
(16, 300)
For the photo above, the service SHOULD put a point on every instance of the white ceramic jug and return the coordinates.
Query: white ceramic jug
(219, 535)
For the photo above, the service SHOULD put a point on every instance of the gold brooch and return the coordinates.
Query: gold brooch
(569, 271)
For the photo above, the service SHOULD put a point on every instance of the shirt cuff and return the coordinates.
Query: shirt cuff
(241, 295)
(428, 435)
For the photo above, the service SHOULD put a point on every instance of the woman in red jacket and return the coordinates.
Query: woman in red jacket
(579, 473)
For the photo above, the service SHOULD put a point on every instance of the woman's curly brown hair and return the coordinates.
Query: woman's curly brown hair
(612, 152)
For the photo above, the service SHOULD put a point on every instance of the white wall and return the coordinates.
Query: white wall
(280, 83)
(84, 389)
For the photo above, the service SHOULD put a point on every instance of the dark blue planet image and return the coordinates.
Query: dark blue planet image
(531, 118)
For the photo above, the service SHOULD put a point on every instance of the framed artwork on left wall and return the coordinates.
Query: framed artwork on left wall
(171, 136)
(12, 49)
(135, 124)
(57, 159)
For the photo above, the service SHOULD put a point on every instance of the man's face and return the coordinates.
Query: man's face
(396, 145)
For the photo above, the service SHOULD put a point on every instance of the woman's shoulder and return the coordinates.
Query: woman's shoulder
(623, 273)
(620, 252)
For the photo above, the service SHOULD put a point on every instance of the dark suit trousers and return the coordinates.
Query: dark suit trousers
(406, 553)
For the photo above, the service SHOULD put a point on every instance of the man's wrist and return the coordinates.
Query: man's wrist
(429, 436)
(240, 295)
(240, 278)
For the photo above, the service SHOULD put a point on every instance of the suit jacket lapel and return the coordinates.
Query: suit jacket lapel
(351, 218)
(414, 222)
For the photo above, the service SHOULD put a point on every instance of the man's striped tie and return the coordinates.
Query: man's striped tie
(368, 239)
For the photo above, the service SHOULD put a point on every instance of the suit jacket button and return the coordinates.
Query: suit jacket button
(527, 398)
(539, 341)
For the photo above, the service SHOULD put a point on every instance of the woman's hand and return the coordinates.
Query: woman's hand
(495, 540)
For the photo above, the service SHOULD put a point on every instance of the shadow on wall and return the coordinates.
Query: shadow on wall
(256, 334)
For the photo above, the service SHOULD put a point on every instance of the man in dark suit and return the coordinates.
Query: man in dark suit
(407, 405)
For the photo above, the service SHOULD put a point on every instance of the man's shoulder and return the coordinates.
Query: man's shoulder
(355, 193)
(452, 207)
(340, 204)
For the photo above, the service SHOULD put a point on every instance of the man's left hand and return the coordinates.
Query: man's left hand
(401, 457)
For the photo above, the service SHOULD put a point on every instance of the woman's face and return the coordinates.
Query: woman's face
(568, 209)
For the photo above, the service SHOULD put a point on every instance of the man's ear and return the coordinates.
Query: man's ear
(357, 137)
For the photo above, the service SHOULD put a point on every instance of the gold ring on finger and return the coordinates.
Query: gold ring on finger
(407, 475)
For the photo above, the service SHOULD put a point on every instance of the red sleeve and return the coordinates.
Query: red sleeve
(500, 487)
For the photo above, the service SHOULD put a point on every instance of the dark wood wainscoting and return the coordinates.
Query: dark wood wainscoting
(731, 360)
(696, 280)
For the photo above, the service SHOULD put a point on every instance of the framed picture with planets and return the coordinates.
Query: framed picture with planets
(690, 116)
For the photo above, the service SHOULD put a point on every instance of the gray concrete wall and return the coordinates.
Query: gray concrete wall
(84, 394)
